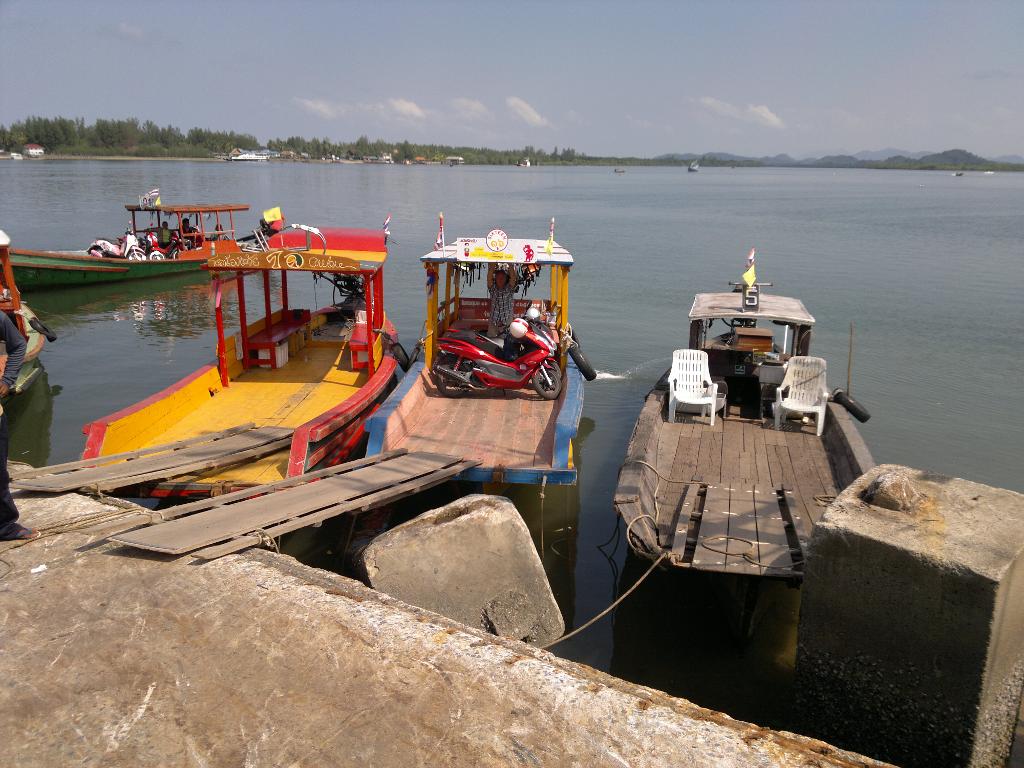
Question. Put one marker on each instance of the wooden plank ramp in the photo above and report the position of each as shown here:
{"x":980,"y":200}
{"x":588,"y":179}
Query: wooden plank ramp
{"x":214,"y":527}
{"x":158,"y":462}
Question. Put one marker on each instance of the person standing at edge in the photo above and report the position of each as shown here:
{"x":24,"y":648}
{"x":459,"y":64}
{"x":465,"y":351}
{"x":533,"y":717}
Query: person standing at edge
{"x":10,"y":336}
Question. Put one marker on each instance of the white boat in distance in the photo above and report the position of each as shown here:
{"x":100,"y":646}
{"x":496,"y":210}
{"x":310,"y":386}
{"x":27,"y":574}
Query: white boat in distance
{"x":694,"y":167}
{"x":251,"y":157}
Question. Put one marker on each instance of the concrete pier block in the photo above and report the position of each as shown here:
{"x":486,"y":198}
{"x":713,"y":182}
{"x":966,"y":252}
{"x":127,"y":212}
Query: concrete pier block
{"x":473,"y":561}
{"x":911,"y":638}
{"x":117,"y":658}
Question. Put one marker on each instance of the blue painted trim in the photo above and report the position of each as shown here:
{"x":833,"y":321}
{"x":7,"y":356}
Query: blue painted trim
{"x":532,"y":476}
{"x":569,"y":417}
{"x":377,"y":425}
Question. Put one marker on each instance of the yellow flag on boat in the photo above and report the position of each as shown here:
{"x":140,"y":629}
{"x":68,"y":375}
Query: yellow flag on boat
{"x":750,"y":276}
{"x":157,"y":203}
{"x":549,"y":246}
{"x":272,"y":214}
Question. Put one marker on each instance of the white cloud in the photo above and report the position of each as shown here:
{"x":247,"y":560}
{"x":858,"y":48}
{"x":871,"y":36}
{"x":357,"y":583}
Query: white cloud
{"x":470,"y":109}
{"x":752,"y":113}
{"x":330,"y":110}
{"x":320,"y":108}
{"x":130,"y":31}
{"x":406,"y":108}
{"x":760,"y":113}
{"x":526,"y":113}
{"x":720,"y":107}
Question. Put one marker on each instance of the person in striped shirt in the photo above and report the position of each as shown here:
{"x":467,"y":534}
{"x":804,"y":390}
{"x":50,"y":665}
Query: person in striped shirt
{"x":501,"y":285}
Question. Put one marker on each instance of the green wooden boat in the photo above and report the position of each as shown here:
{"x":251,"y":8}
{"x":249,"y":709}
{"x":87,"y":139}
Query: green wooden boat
{"x":211,"y":230}
{"x":38,"y":270}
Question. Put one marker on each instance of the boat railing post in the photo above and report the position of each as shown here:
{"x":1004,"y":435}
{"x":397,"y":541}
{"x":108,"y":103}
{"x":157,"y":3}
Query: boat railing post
{"x":222,"y":358}
{"x":430,"y":328}
{"x":267,"y":305}
{"x":240,"y":282}
{"x":563,"y":310}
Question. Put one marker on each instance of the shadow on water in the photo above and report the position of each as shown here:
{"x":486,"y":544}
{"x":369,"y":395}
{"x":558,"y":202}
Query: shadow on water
{"x":30,"y":417}
{"x":673,"y":634}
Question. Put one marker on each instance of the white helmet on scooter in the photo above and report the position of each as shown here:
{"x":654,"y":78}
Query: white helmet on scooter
{"x":533,"y":314}
{"x":518,"y":328}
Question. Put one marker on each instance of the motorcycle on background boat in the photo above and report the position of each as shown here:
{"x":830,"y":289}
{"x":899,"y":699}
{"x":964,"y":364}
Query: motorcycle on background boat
{"x":131,"y":247}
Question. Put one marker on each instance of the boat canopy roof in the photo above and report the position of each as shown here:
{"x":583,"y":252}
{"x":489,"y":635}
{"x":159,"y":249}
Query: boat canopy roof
{"x":347,"y":250}
{"x":183,"y":208}
{"x":707,"y":306}
{"x":482,"y":250}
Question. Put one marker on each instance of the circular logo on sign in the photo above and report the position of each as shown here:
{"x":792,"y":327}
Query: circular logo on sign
{"x":497,"y":240}
{"x":293,"y":260}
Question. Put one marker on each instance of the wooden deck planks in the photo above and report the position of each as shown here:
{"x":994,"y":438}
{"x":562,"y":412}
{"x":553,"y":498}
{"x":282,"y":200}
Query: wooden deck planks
{"x":514,"y":429}
{"x":224,"y":522}
{"x":683,"y":520}
{"x":771,"y":532}
{"x":202,"y":456}
{"x":669,"y":493}
{"x":760,"y":450}
{"x":743,"y":528}
{"x":742,"y":462}
{"x":710,"y":553}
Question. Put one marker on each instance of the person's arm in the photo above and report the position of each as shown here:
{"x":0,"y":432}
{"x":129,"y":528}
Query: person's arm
{"x":490,"y":277}
{"x":15,"y":342}
{"x":513,"y":277}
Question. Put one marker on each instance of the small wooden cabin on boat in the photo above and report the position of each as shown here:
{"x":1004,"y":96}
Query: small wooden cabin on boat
{"x":305,"y":378}
{"x":515,"y":435}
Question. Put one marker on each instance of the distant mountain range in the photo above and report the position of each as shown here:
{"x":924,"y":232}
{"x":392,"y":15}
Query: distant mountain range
{"x":951,"y":159}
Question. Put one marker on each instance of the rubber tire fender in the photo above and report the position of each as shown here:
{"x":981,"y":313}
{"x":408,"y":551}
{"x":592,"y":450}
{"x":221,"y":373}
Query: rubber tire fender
{"x":401,"y":356}
{"x":858,"y":411}
{"x":582,"y":363}
{"x":38,"y":325}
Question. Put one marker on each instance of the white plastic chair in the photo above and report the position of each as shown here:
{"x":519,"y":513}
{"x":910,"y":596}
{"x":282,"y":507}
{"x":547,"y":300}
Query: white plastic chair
{"x":807,"y":391}
{"x":689,"y":383}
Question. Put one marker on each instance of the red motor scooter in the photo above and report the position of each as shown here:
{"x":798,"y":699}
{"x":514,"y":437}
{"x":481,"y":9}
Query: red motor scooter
{"x":468,"y":361}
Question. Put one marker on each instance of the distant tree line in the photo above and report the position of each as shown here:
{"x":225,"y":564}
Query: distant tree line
{"x":67,"y":136}
{"x":130,"y":137}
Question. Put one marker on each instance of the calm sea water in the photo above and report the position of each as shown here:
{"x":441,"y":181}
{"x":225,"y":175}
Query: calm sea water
{"x":928,"y":267}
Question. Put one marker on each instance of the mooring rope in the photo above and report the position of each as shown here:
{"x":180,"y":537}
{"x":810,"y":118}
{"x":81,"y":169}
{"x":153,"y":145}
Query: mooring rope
{"x":266,"y":539}
{"x":610,"y":608}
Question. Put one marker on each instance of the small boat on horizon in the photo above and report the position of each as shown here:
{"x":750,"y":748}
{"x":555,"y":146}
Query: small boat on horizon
{"x":693,"y":167}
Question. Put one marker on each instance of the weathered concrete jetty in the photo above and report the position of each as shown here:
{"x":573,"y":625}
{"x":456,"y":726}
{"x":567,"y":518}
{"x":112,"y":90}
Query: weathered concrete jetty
{"x":113,"y":657}
{"x":911,"y":639}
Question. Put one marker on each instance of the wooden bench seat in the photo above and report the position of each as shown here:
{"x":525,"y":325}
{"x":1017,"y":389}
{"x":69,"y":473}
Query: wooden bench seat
{"x":281,"y":330}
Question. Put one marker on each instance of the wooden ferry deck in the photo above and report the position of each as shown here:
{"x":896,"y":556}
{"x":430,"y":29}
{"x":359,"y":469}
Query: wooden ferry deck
{"x":316,"y":378}
{"x":314,"y":381}
{"x":740,"y":497}
{"x":515,"y":435}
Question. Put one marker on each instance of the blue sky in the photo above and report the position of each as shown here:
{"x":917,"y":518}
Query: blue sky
{"x":622,"y":78}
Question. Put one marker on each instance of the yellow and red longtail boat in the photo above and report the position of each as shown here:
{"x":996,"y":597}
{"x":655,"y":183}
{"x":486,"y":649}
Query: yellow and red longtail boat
{"x":314,"y":375}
